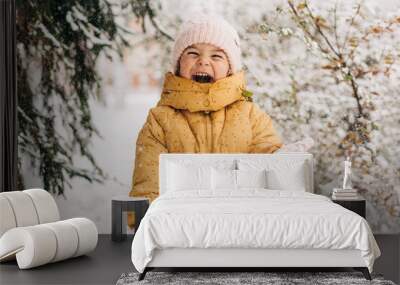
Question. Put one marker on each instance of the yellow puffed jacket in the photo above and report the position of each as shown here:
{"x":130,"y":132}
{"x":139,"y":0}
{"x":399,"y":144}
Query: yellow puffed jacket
{"x":194,"y":117}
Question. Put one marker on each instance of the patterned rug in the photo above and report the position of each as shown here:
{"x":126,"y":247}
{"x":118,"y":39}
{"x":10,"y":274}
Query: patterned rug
{"x":269,"y":278}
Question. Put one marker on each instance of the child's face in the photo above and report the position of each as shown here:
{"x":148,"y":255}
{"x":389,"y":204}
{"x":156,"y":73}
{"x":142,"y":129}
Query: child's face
{"x":203,"y":63}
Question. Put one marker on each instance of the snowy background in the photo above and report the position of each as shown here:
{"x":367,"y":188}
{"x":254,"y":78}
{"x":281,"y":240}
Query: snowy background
{"x":285,"y":75}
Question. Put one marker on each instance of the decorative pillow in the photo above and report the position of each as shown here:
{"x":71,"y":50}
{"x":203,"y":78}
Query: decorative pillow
{"x":223,"y":179}
{"x":300,"y":146}
{"x":251,"y":178}
{"x":181,"y":177}
{"x":292,"y":178}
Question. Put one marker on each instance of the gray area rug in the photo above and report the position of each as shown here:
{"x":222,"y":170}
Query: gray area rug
{"x":275,"y":278}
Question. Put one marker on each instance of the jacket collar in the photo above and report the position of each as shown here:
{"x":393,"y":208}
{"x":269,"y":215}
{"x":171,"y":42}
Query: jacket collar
{"x":186,"y":94}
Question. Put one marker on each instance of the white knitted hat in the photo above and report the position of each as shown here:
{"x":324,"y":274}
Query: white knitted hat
{"x":210,"y":29}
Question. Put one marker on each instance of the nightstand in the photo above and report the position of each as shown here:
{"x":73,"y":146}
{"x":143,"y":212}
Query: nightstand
{"x":120,"y":206}
{"x":356,"y":205}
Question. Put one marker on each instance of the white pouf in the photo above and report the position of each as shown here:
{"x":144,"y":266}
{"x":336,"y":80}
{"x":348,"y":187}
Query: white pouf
{"x":31,"y":233}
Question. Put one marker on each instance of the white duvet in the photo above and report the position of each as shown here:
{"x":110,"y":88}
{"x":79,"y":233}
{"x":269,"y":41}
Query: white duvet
{"x":252,"y":218}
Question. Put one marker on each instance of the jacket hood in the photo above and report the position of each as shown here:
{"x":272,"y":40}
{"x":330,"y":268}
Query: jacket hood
{"x":186,"y":94}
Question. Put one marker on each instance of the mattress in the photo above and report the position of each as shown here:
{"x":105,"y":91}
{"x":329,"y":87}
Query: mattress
{"x":250,"y":219}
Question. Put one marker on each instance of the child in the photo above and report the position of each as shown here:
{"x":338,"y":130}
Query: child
{"x":202,"y":108}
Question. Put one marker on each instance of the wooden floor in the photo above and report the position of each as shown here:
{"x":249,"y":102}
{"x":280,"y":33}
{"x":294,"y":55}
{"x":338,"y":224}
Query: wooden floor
{"x":102,"y":266}
{"x":111,"y":259}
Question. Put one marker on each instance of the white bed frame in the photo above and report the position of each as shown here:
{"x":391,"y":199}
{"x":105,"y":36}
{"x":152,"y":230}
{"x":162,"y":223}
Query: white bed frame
{"x":250,"y":257}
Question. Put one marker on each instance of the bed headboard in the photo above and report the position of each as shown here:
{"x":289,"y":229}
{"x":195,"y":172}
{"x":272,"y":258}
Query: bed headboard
{"x":212,"y":159}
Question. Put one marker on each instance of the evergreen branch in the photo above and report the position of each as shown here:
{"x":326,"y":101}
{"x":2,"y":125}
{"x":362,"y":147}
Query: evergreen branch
{"x":46,"y":34}
{"x":151,"y":15}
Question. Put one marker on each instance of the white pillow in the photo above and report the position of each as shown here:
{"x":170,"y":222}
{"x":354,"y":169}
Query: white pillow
{"x":292,"y":178}
{"x":251,"y":178}
{"x":223,"y":179}
{"x":236,"y":179}
{"x":283,"y":173}
{"x":181,"y":177}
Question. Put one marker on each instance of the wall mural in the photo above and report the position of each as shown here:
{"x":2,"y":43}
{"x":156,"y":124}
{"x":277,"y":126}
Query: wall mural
{"x":325,"y":69}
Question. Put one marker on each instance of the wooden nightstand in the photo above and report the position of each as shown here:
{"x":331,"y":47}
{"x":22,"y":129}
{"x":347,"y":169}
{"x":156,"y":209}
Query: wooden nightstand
{"x":357,"y":205}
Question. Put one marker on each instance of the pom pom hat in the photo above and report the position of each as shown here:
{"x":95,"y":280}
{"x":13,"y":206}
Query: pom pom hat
{"x":209,"y":29}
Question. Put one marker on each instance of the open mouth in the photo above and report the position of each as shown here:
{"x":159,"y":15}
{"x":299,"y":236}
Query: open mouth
{"x":202,"y":77}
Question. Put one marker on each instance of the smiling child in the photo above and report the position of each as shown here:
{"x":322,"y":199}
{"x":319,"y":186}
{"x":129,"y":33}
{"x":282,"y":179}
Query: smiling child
{"x":202,"y":108}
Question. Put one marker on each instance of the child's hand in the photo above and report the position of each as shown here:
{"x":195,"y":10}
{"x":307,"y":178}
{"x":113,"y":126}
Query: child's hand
{"x":300,"y":146}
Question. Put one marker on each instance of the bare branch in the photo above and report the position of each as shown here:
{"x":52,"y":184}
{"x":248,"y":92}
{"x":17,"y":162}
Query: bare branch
{"x":318,"y":28}
{"x":335,"y":27}
{"x":351,"y":24}
{"x":300,"y":22}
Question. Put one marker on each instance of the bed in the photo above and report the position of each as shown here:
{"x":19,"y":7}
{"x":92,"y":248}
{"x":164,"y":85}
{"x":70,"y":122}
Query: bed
{"x":245,"y":211}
